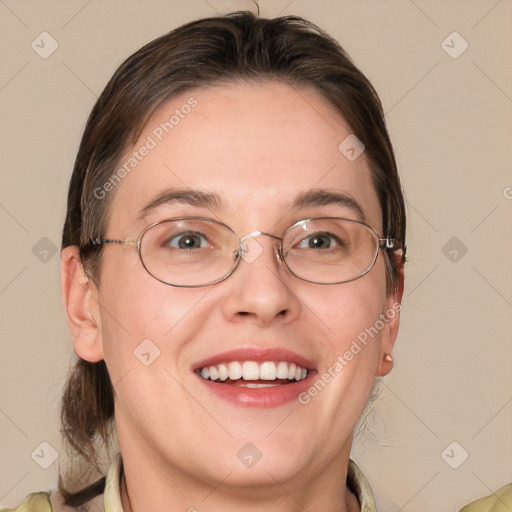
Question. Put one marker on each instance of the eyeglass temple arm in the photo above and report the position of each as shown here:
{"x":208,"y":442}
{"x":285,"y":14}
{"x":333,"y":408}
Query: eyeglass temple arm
{"x":125,"y":243}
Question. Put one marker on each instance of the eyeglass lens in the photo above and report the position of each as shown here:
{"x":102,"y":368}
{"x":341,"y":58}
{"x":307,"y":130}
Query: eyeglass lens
{"x":195,"y":252}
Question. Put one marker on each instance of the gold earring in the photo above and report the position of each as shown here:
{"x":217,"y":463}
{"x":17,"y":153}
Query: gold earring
{"x":388,"y":358}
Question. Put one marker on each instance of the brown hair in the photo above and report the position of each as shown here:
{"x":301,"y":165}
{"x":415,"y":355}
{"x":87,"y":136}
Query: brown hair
{"x":237,"y":47}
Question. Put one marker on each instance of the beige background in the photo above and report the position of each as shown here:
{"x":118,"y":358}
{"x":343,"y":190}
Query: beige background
{"x":450,"y":122}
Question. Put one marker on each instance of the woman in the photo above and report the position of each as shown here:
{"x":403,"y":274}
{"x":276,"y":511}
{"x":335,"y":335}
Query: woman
{"x":232,"y":272}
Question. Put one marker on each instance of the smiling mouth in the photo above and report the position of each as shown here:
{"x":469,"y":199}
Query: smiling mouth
{"x":251,"y":374}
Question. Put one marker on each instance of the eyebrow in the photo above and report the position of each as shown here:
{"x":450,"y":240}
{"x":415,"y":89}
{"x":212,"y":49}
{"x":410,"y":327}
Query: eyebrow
{"x":199,"y":198}
{"x":321,"y":197}
{"x":184,"y":196}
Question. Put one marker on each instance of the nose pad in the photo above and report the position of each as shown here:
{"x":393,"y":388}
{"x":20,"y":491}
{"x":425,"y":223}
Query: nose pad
{"x":250,"y":249}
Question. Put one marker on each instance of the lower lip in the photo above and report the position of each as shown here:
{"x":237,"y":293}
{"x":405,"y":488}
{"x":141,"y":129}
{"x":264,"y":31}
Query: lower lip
{"x":259,"y":397}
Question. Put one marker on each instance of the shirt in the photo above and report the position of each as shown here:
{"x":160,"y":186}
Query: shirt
{"x":500,"y":501}
{"x":110,"y":500}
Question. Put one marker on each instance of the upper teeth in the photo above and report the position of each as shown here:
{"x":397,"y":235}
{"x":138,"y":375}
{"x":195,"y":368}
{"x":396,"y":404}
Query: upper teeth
{"x":250,"y":370}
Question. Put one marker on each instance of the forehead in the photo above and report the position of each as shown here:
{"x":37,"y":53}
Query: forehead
{"x":256,"y":145}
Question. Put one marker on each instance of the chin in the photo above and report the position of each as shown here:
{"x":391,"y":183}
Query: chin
{"x":263,"y":457}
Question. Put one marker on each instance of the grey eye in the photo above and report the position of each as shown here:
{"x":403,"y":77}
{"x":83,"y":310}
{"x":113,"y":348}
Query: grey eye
{"x":188,"y":240}
{"x":320,"y":241}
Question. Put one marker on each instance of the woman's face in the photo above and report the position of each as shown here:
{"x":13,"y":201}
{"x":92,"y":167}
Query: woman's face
{"x":256,"y":147}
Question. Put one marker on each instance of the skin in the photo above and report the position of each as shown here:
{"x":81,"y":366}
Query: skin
{"x":258,"y":146}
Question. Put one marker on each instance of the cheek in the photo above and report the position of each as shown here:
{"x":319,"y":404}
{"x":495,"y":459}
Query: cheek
{"x":351,"y":309}
{"x":350,"y":314}
{"x":141,"y":316}
{"x":144,"y":335}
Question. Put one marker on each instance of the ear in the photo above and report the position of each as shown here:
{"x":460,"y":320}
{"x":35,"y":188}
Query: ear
{"x":392,"y":320}
{"x":81,"y":302}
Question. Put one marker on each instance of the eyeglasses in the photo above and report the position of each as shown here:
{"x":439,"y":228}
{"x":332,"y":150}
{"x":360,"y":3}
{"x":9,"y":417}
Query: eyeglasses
{"x":199,"y":251}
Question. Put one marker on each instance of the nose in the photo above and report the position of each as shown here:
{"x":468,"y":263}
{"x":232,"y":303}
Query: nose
{"x":260,"y":290}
